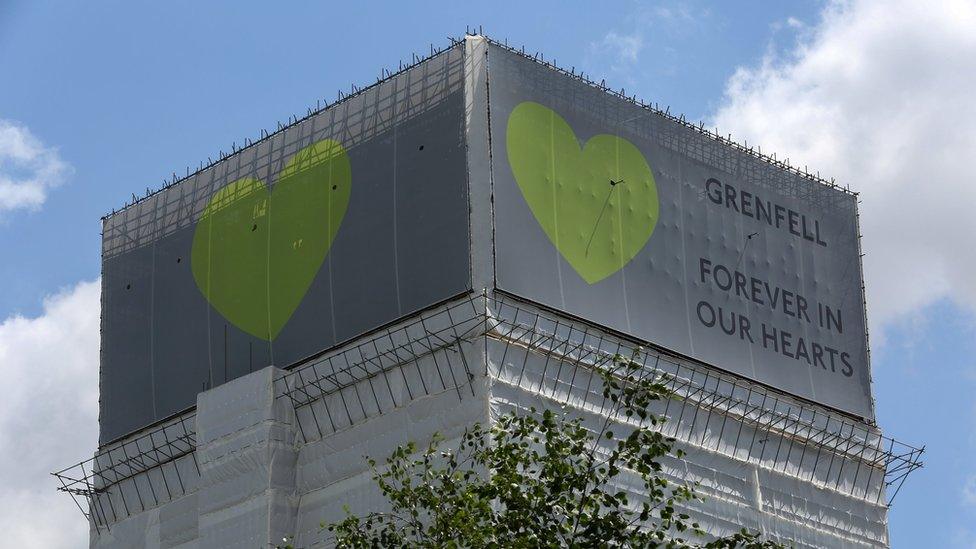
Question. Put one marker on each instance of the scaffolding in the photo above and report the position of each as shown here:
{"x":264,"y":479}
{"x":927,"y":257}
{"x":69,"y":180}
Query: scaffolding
{"x":353,"y":119}
{"x":714,"y":410}
{"x":136,"y":474}
{"x":424,"y":355}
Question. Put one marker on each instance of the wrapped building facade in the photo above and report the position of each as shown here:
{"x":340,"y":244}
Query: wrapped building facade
{"x":472,"y":235}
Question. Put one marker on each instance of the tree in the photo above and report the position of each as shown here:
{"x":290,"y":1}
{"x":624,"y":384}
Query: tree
{"x":540,"y":480}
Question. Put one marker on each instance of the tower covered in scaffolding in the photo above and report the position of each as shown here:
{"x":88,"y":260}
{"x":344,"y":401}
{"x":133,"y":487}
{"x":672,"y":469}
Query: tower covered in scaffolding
{"x":478,"y":232}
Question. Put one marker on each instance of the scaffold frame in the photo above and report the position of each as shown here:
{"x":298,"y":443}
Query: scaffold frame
{"x":354,"y":377}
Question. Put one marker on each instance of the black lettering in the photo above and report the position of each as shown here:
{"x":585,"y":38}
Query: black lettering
{"x":794,"y":222}
{"x":703,"y":267}
{"x":705,"y":306}
{"x":763,"y":211}
{"x":801,"y":350}
{"x":744,"y":327}
{"x":773,"y":297}
{"x":769,"y":337}
{"x":767,"y":211}
{"x":816,"y":230}
{"x":717,"y":274}
{"x":780,"y":214}
{"x":785,"y":342}
{"x":848,"y":369}
{"x":788,"y":303}
{"x":803,"y":225}
{"x":721,"y":322}
{"x":818,"y":355}
{"x":730,"y":198}
{"x":833,"y":353}
{"x":745,"y":202}
{"x":713,"y":189}
{"x":757,"y":291}
{"x":833,"y":317}
{"x":801,"y":308}
{"x":740,"y":284}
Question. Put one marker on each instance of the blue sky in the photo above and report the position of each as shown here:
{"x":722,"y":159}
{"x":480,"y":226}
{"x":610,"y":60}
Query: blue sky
{"x":115,"y":97}
{"x":131,"y":94}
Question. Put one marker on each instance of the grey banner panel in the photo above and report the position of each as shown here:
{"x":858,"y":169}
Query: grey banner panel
{"x":622,"y":216}
{"x":127,"y":336}
{"x":337,"y":225}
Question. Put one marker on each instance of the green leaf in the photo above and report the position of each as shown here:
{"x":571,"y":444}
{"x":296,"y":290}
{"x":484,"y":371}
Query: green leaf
{"x":536,"y":481}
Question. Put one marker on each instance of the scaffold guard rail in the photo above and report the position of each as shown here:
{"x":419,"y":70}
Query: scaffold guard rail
{"x":352,"y":383}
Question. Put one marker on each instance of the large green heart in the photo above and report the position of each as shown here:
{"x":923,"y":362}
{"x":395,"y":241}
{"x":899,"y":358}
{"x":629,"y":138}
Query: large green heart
{"x":256,"y":251}
{"x":598,"y":205}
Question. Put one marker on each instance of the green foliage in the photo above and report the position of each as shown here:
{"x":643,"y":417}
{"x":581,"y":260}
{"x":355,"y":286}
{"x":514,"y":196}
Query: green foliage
{"x":540,"y":480}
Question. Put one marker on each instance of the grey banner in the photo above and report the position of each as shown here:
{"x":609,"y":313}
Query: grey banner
{"x":625,"y":217}
{"x":370,"y":217}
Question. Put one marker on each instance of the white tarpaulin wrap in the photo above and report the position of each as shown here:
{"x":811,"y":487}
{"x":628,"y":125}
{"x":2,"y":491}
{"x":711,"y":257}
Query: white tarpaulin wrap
{"x":267,"y":472}
{"x":737,"y":494}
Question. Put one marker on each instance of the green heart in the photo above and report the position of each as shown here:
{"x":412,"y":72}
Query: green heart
{"x":597,"y":205}
{"x":256,"y":251}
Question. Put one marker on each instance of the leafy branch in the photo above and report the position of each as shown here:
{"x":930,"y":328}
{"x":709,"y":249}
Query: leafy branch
{"x":542,"y":479}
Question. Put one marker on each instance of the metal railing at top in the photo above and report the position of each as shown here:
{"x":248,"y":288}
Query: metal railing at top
{"x":712,"y":409}
{"x":423,"y":355}
{"x":136,"y":474}
{"x":418,"y":357}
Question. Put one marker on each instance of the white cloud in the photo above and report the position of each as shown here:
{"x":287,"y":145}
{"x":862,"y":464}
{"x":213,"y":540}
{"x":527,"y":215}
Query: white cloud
{"x":963,"y":538}
{"x":648,"y":27}
{"x":969,"y":491}
{"x":673,"y":13}
{"x":48,"y":416}
{"x":623,"y":49}
{"x":880,"y":95}
{"x":28,"y":168}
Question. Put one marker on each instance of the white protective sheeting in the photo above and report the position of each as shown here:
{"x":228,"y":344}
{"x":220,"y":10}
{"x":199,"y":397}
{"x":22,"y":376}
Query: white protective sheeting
{"x":333,"y":473}
{"x":737,"y":493}
{"x":260,"y":480}
{"x":247,"y":452}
